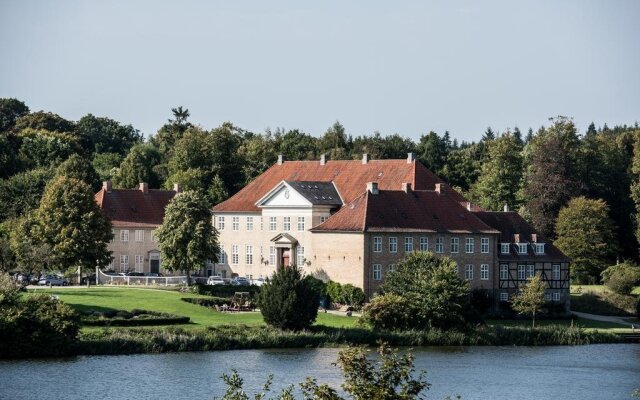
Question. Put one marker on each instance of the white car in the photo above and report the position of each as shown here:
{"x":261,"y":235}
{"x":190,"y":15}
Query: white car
{"x":258,"y":281}
{"x":52,"y":280}
{"x":215,"y":280}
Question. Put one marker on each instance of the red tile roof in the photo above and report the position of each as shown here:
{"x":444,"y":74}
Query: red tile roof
{"x":349,"y":176}
{"x":396,"y":210}
{"x":133,"y":208}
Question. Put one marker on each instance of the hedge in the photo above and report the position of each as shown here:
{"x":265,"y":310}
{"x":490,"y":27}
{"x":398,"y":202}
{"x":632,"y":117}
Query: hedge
{"x":226,"y":290}
{"x":134,"y":318}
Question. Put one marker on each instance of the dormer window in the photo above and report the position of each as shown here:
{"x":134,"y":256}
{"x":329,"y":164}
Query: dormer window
{"x":504,"y":248}
{"x":538,"y":248}
{"x":522,"y":248}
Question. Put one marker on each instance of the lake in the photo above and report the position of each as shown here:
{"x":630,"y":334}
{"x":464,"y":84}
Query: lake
{"x":609,"y":371}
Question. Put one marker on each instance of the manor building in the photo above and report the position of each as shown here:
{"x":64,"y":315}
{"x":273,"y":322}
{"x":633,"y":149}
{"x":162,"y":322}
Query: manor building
{"x":351,"y":221}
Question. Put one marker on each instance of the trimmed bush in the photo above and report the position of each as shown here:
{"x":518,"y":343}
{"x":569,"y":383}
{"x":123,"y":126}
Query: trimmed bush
{"x":225,"y":290}
{"x":134,"y":318}
{"x":345,"y":294}
{"x":389,"y":312}
{"x":210,"y":302}
{"x":287,"y":301}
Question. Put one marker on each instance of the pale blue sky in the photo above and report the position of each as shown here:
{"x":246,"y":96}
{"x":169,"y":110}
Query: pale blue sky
{"x":395,"y":66}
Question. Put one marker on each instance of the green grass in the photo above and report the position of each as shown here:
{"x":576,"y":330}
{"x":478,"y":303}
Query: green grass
{"x":101,"y":298}
{"x":588,"y":324}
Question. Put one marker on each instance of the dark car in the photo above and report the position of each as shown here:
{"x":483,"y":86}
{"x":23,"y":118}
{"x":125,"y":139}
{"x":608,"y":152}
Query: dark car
{"x":135,"y":274}
{"x":240,"y":281}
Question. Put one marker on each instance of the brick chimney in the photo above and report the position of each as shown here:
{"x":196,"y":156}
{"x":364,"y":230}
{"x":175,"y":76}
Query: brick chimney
{"x":106,"y":185}
{"x":177,"y":188}
{"x":280,"y":159}
{"x":144,"y":187}
{"x":440,"y":187}
{"x":365,"y":158}
{"x":534,"y":238}
{"x":323,"y":159}
{"x":410,"y":158}
{"x":516,"y":238}
{"x":406,"y":187}
{"x":372,"y":187}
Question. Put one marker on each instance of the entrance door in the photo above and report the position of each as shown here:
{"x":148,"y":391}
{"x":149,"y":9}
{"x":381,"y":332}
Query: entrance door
{"x":285,"y":258}
{"x":154,"y":266}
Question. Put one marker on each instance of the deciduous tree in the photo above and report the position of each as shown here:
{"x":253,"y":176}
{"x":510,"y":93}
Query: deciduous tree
{"x":530,"y":298}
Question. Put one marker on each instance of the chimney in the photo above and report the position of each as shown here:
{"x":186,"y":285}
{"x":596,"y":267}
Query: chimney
{"x":534,"y":238}
{"x":440,"y":187}
{"x":144,"y":187}
{"x":280,"y":159}
{"x":323,"y":159}
{"x":410,"y":158}
{"x":106,"y":185}
{"x":372,"y":187}
{"x":406,"y":187}
{"x":506,"y":207}
{"x":365,"y":158}
{"x":177,"y":188}
{"x":516,"y":238}
{"x":468,"y":206}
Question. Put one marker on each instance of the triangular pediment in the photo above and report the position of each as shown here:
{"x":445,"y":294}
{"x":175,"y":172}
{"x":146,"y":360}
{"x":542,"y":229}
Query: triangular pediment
{"x":283,"y":195}
{"x":284,"y":239}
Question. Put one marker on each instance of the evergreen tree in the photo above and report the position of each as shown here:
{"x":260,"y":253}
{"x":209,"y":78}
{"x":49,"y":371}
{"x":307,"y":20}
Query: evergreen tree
{"x":432,"y":151}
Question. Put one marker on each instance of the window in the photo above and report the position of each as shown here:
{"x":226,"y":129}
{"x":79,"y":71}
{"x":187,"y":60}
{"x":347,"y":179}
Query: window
{"x":139,"y":235}
{"x":484,"y":245}
{"x":468,"y":246}
{"x":377,"y":272}
{"x":556,"y":296}
{"x":484,"y":272}
{"x":300,"y":254}
{"x":220,"y":223}
{"x":248,"y":256}
{"x":531,"y":271}
{"x":234,"y":254}
{"x":392,"y":267}
{"x":323,"y":219}
{"x":439,"y":245}
{"x":556,"y":271}
{"x":424,"y":243}
{"x":408,"y":244}
{"x":504,"y":296}
{"x":522,"y":248}
{"x":521,"y":272}
{"x":272,"y":255}
{"x":273,"y":223}
{"x":249,"y":223}
{"x":124,"y":263}
{"x":547,"y":296}
{"x":539,"y":248}
{"x":377,"y":244}
{"x":153,"y":236}
{"x":286,"y":224}
{"x":222,"y":256}
{"x":393,"y":245}
{"x":504,"y":272}
{"x":455,"y":244}
{"x":468,"y":272}
{"x":235,"y":223}
{"x":124,"y":235}
{"x":300,"y":224}
{"x":139,"y":263}
{"x":504,"y":248}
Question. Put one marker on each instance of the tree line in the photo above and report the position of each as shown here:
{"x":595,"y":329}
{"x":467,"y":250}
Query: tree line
{"x":538,"y":174}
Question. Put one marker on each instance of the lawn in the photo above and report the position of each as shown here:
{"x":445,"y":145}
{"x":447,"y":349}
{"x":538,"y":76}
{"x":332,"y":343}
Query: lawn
{"x":102,"y":298}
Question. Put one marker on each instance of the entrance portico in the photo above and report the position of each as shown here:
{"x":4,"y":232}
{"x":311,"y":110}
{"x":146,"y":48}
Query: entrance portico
{"x":285,"y":245}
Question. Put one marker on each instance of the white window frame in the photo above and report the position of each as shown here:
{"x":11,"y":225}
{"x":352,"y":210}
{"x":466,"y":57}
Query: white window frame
{"x":484,"y":272}
{"x":393,"y":244}
{"x":377,"y":244}
{"x":484,"y":245}
{"x":555,"y":272}
{"x":300,"y":224}
{"x":220,"y":223}
{"x":424,"y":243}
{"x":273,"y":223}
{"x":377,"y":272}
{"x":235,"y":223}
{"x":286,"y":224}
{"x":249,"y":223}
{"x":547,"y":296}
{"x":455,"y":245}
{"x":505,"y":248}
{"x":469,"y":246}
{"x":556,"y":296}
{"x":522,"y":248}
{"x":538,"y":248}
{"x":323,"y":219}
{"x":300,"y":255}
{"x":139,"y":235}
{"x":522,"y":272}
{"x":531,"y":271}
{"x":391,"y":267}
{"x":139,"y":263}
{"x":124,"y":235}
{"x":468,"y":272}
{"x":235,"y":254}
{"x":222,"y":256}
{"x":408,"y":244}
{"x":272,"y":255}
{"x":124,"y":263}
{"x":248,"y":254}
{"x":439,"y":245}
{"x":504,"y":296}
{"x":504,"y":272}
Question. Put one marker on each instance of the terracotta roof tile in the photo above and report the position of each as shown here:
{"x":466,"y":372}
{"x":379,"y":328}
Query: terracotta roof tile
{"x":133,"y":208}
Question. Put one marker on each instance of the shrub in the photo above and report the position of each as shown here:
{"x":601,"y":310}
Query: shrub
{"x":621,"y":278}
{"x":389,"y":312}
{"x":334,"y":292}
{"x":604,"y":303}
{"x":287,"y":301}
{"x":225,"y":290}
{"x":136,"y":317}
{"x":210,"y":302}
{"x":353,"y":295}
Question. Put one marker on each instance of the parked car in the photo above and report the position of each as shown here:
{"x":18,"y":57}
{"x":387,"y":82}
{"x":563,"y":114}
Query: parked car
{"x":258,"y":281}
{"x":52,"y":280}
{"x":135,"y":274}
{"x":215,"y":280}
{"x":153,"y":274}
{"x":240,"y":281}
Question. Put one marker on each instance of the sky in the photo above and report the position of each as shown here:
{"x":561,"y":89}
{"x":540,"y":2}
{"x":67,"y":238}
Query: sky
{"x":404,"y":67}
